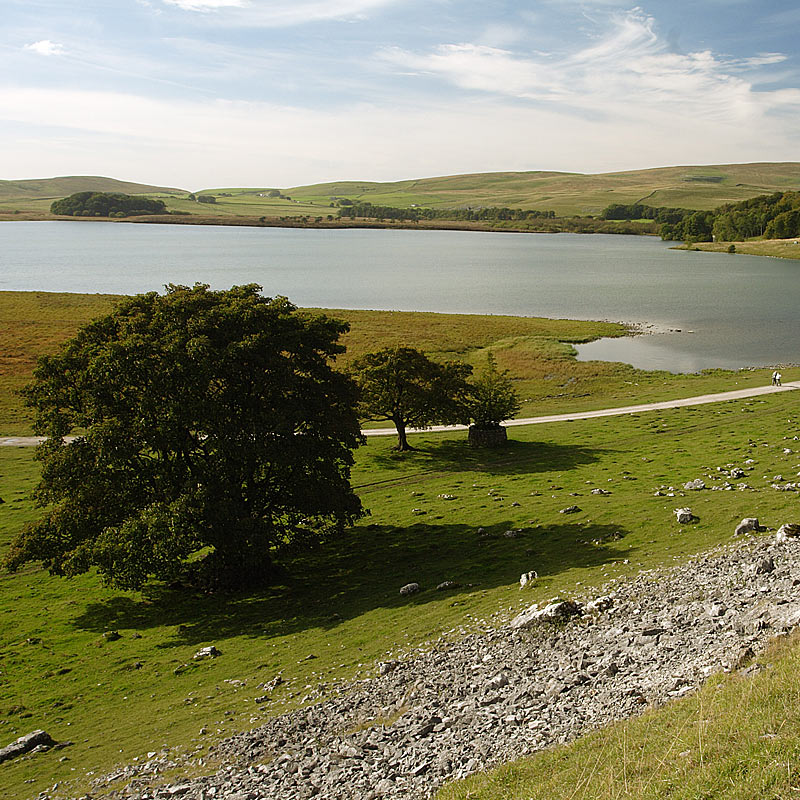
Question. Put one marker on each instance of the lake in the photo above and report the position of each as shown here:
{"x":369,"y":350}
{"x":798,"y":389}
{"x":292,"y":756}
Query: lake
{"x":732,"y":311}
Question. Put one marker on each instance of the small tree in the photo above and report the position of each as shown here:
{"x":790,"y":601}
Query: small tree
{"x":403,"y":386}
{"x":493,"y":400}
{"x":209,"y":424}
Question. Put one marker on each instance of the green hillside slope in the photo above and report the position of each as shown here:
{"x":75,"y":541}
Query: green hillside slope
{"x":52,"y":188}
{"x":700,"y":187}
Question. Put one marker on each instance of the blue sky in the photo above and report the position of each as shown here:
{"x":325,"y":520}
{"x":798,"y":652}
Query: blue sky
{"x":202,"y":93}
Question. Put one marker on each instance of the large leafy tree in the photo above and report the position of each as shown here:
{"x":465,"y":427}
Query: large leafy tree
{"x":405,"y":387}
{"x":210,"y":426}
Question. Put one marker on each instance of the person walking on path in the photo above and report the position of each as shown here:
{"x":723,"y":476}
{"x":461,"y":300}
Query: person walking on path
{"x":778,"y":377}
{"x":775,"y":378}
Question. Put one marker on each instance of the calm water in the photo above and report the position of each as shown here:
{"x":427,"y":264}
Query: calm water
{"x":741,"y":310}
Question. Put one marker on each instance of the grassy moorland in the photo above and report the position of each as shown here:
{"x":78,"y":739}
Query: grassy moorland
{"x":537,"y":352}
{"x":700,"y":187}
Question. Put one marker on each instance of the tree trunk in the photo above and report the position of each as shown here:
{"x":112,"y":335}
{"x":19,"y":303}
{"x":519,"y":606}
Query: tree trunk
{"x":402,"y":441}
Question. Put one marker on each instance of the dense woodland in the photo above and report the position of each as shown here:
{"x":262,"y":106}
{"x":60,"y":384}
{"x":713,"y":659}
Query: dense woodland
{"x":106,"y":204}
{"x":774,"y":216}
{"x":369,"y":211}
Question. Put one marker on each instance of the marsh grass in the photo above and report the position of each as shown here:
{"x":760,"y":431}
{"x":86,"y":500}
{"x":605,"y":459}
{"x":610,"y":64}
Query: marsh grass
{"x":537,"y":352}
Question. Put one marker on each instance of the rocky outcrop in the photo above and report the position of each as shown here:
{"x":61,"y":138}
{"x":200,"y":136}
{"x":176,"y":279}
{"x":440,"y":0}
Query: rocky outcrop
{"x":460,"y":706}
{"x":35,"y":741}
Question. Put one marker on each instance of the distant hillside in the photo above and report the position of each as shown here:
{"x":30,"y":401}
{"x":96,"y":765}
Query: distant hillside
{"x":52,"y":188}
{"x":701,"y":188}
{"x":697,"y":187}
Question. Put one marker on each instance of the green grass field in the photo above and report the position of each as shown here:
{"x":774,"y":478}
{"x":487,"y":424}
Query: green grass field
{"x":775,"y":248}
{"x":118,"y":700}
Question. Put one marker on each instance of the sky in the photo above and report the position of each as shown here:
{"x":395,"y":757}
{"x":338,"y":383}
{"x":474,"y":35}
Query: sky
{"x":279,"y":93}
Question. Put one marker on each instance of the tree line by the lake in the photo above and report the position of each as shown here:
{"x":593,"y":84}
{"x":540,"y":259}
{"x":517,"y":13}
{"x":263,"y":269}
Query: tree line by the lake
{"x":492,"y":213}
{"x":773,"y":216}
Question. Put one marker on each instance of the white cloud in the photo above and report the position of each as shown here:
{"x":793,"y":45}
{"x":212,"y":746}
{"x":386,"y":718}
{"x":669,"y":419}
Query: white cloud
{"x":46,"y":48}
{"x":627,"y":74}
{"x":764,"y":59}
{"x":280,"y":13}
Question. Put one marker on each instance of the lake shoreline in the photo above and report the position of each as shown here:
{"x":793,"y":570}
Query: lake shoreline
{"x":550,"y":227}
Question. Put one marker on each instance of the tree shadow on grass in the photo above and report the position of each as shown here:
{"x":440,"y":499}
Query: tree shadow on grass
{"x":363,"y":572}
{"x":515,"y":457}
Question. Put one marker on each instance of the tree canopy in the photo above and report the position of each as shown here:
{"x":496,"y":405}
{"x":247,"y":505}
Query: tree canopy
{"x":405,"y":387}
{"x":776,"y":216}
{"x":493,"y":398}
{"x":211,"y":426}
{"x":106,"y":204}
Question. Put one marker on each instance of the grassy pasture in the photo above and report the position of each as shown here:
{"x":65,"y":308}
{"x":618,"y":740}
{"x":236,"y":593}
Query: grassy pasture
{"x":574,"y":193}
{"x":776,"y":248}
{"x":118,"y":700}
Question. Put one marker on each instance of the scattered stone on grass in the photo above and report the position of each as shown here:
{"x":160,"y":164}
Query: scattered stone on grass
{"x":207,"y":652}
{"x":444,"y":712}
{"x":409,"y":588}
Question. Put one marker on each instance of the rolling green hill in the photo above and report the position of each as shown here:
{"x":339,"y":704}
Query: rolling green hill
{"x":700,"y":187}
{"x":704,"y":187}
{"x":53,"y":188}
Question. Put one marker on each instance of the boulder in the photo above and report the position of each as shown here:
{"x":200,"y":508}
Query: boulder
{"x":556,"y":611}
{"x":695,"y":485}
{"x":207,"y":652}
{"x":570,"y":510}
{"x":683,"y":515}
{"x":600,"y":604}
{"x":787,"y":531}
{"x":409,"y":588}
{"x":746,"y":525}
{"x":26,"y":744}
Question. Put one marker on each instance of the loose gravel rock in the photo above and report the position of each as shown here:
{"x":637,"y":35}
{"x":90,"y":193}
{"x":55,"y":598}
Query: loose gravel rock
{"x":462,"y":706}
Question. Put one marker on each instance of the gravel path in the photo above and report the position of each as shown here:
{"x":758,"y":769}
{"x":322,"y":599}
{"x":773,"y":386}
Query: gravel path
{"x":736,"y":394}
